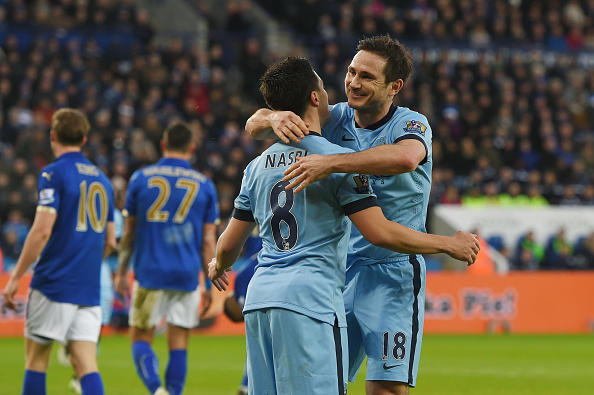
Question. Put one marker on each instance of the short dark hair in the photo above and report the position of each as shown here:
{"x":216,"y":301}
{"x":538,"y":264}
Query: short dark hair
{"x":286,"y":85}
{"x":71,"y":126}
{"x":178,"y":137}
{"x":398,"y":58}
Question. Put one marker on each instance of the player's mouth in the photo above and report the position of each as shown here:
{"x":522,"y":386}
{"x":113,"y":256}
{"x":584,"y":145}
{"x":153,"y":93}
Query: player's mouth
{"x":356,"y":95}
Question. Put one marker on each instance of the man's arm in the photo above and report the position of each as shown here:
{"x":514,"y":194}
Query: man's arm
{"x":384,"y":233}
{"x":268,"y":124}
{"x":126,"y":248}
{"x":229,"y":248}
{"x":399,"y":158}
{"x":209,"y":239}
{"x":37,"y":238}
{"x":110,"y":239}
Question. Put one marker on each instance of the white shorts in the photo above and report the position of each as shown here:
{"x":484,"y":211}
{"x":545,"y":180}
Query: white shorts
{"x":47,"y":321}
{"x":149,"y":306}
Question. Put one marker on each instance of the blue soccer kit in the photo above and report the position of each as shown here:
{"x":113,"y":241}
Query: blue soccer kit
{"x":390,"y":336}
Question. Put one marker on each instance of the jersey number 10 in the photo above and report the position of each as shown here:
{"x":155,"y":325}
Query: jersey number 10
{"x":92,"y":204}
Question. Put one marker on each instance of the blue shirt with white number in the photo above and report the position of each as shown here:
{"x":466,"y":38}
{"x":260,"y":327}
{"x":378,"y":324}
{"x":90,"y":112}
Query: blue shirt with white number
{"x":403,"y":197}
{"x":171,"y":202}
{"x":302,"y":264}
{"x":69,"y":267}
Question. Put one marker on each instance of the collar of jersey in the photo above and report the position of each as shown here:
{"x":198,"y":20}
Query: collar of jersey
{"x":312,"y":133}
{"x":382,"y":121}
{"x":73,"y":154}
{"x":174,"y":161}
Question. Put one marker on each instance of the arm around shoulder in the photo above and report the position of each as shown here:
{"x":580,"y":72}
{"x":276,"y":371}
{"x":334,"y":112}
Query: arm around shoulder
{"x":284,"y":125}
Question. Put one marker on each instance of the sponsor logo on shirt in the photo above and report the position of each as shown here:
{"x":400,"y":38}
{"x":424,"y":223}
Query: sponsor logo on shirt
{"x":362,"y":182}
{"x":46,"y":196}
{"x":47,"y":175}
{"x":415,"y":127}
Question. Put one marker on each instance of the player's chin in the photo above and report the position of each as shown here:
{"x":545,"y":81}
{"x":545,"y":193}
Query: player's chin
{"x":355,"y":101}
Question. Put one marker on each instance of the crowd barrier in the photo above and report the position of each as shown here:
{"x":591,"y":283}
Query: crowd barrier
{"x":456,"y":303}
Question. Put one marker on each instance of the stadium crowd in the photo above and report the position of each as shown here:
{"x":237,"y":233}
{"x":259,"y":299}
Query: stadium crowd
{"x":510,"y":127}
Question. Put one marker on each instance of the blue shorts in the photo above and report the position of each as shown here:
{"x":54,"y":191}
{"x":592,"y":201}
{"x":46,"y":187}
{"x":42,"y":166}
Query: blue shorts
{"x":385,"y":309}
{"x":290,"y":353}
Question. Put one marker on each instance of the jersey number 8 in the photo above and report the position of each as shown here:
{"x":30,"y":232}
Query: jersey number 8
{"x":281,"y":213}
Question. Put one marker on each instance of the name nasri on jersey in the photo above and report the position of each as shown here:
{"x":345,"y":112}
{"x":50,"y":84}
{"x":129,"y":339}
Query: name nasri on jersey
{"x":283,"y":159}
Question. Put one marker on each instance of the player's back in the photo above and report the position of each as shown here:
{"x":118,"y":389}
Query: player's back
{"x":82,"y":196}
{"x":302,"y":262}
{"x":404,"y":197}
{"x":171,"y":203}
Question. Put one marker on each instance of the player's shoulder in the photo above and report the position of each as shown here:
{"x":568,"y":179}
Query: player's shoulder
{"x":317,"y":144}
{"x":405,"y":114}
{"x":340,"y":110}
{"x":407,"y":121}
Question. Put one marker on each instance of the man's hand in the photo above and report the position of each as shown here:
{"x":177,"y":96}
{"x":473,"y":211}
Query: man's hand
{"x":205,"y":301}
{"x":218,"y":277}
{"x":288,"y":126}
{"x":9,"y":291}
{"x":121,"y":284}
{"x":464,"y":247}
{"x":307,"y":170}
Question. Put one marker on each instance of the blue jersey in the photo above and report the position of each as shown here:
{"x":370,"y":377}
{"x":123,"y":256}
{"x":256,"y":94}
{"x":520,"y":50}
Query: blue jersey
{"x":69,"y":267}
{"x":403,"y":197}
{"x":171,"y":202}
{"x":301,"y":266}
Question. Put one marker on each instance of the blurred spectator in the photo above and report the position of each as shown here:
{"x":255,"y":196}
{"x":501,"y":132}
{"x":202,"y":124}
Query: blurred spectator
{"x":584,"y":253}
{"x":529,"y":254}
{"x":558,"y":252}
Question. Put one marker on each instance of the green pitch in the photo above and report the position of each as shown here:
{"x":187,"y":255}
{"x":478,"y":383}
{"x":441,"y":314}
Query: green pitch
{"x":481,"y":365}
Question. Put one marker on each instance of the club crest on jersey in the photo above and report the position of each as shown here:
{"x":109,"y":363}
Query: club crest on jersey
{"x":362,"y":182}
{"x":415,"y":127}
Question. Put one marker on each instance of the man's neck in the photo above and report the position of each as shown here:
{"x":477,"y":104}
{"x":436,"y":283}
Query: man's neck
{"x":366,"y":118}
{"x":60,"y":150}
{"x":177,"y":155}
{"x":313,"y":120}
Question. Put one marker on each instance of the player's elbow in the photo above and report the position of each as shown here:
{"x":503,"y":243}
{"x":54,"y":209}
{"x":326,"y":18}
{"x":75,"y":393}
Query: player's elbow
{"x":408,"y":164}
{"x":376,"y":237}
{"x":44,"y":234}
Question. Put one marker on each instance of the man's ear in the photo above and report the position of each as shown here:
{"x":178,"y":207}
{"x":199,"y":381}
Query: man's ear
{"x":314,"y":98}
{"x":53,"y":136}
{"x":396,"y":86}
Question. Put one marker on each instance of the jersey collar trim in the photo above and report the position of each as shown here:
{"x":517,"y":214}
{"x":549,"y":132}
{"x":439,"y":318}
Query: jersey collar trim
{"x":382,"y":121}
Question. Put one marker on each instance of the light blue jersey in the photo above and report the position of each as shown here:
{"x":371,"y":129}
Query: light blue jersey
{"x":108,"y":267}
{"x":80,"y":194}
{"x":301,"y":266}
{"x":171,"y":202}
{"x":403,"y":197}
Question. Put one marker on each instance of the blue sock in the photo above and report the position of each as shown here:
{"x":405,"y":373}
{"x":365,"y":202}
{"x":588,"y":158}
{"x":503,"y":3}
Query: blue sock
{"x":175,"y":375}
{"x":91,"y":384}
{"x":34,"y":383}
{"x":147,"y":365}
{"x":244,"y":380}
